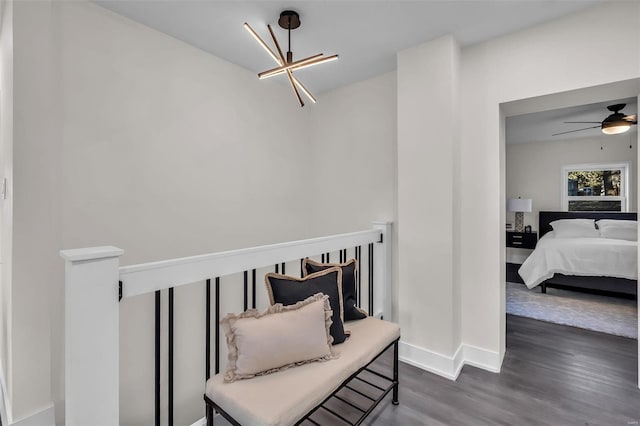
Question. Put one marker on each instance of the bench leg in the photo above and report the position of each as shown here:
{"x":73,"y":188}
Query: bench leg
{"x":209,"y":415}
{"x":543,"y":288}
{"x":395,"y":401}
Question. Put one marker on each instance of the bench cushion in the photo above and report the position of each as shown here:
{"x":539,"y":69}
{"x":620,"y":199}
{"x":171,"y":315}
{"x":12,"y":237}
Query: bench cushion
{"x":285,"y":397}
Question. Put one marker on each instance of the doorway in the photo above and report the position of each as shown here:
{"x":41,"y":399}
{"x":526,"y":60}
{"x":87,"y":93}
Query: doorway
{"x":626,"y":90}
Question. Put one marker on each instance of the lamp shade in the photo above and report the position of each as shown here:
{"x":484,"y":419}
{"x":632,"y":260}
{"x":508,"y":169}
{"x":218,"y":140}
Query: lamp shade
{"x":520,"y":205}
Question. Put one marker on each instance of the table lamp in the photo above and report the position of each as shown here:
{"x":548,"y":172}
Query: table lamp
{"x":519,"y":206}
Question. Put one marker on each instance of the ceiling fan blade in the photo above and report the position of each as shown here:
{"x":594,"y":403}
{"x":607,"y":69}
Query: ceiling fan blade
{"x":583,"y":122}
{"x":633,"y":118}
{"x":263,"y":44}
{"x":295,"y":89}
{"x":572,"y":131}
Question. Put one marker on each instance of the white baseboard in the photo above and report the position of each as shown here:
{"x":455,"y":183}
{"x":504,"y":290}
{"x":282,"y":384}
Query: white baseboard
{"x":4,"y":400}
{"x":200,"y":422}
{"x":449,"y":366}
{"x":44,"y":417}
{"x":482,"y":358}
{"x":431,"y":361}
{"x":218,"y":420}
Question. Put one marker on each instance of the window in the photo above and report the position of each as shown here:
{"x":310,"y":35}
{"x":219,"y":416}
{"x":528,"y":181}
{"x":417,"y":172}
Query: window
{"x":596,"y":187}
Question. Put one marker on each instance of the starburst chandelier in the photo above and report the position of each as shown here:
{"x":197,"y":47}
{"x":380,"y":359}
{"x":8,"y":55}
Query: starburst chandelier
{"x":289,"y":20}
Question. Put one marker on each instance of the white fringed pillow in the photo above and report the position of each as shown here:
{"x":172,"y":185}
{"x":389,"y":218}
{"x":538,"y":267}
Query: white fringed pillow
{"x":618,"y":229}
{"x":278,"y":338}
{"x":575,"y":228}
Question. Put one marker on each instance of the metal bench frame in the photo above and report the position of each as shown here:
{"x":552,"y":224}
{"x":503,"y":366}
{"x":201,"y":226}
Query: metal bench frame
{"x":393,"y":383}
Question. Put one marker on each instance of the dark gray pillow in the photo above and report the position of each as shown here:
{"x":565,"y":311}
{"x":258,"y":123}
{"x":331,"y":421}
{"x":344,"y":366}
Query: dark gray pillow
{"x":351,"y":311}
{"x":291,"y":290}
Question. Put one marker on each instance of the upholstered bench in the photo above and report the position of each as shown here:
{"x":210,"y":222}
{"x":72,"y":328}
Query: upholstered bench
{"x":288,"y":397}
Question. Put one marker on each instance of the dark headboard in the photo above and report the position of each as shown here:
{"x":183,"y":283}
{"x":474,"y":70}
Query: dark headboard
{"x":547,"y":217}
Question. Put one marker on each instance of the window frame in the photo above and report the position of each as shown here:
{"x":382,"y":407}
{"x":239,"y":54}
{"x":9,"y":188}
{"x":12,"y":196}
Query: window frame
{"x":625,"y":170}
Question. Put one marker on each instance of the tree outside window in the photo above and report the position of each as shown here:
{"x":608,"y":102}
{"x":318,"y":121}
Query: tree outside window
{"x":595,"y":187}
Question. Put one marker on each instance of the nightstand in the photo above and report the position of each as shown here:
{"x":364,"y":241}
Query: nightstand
{"x":519,"y":240}
{"x":525,"y":240}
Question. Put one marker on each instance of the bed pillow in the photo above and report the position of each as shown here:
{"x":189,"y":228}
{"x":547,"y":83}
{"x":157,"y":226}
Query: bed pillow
{"x":349,"y":268}
{"x":278,"y":338}
{"x":618,"y":229}
{"x":575,"y":228}
{"x":289,"y":290}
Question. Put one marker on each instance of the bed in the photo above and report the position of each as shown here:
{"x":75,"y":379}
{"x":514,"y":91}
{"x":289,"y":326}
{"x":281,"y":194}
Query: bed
{"x":590,"y":264}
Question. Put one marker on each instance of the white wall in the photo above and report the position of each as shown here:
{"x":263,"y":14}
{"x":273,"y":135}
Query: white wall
{"x":170,"y":152}
{"x":533,"y":170}
{"x":6,"y":166}
{"x":353,"y":164}
{"x":154,"y":146}
{"x":35,"y":206}
{"x":545,"y":59}
{"x":428,"y":311}
{"x":166,"y":151}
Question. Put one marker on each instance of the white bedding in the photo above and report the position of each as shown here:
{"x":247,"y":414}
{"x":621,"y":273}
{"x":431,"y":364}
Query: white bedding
{"x":580,"y":256}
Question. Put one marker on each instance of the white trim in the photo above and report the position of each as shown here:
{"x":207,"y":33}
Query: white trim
{"x":200,"y":422}
{"x":4,"y":400}
{"x":44,"y":417}
{"x":91,"y":344}
{"x":482,"y":358}
{"x":625,"y":166}
{"x":449,"y":366}
{"x":430,"y":361}
{"x":458,"y":361}
{"x":149,"y":277}
{"x":90,"y":253}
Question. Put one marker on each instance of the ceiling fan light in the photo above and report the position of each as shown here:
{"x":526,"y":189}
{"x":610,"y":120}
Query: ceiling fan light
{"x":615,"y":128}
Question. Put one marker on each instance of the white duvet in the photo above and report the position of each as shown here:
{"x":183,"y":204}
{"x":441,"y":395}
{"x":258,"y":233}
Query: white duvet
{"x":580,"y":256}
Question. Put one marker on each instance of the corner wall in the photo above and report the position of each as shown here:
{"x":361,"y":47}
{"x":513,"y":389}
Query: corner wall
{"x":129,"y":137}
{"x":451,"y":198}
{"x":169,"y":152}
{"x":352,"y":166}
{"x":550,"y":58}
{"x":35,"y":197}
{"x":427,"y":155}
{"x":6,"y":208}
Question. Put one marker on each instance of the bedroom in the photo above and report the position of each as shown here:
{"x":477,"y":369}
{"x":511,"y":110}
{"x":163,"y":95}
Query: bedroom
{"x":541,"y":150}
{"x":116,"y":79}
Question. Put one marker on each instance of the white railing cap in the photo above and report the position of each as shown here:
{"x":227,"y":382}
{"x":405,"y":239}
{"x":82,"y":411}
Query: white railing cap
{"x":90,"y":253}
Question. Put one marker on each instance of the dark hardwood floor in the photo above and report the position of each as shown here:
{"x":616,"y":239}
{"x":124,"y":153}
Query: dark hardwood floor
{"x":551,"y":375}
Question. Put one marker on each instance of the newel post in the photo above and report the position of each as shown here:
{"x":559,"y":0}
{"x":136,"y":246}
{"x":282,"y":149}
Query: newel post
{"x":382,"y":302}
{"x":91,"y":336}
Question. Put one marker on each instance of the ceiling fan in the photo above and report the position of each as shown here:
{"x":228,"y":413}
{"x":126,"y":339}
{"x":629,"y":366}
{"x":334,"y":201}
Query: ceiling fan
{"x":614,"y":124}
{"x":289,"y":20}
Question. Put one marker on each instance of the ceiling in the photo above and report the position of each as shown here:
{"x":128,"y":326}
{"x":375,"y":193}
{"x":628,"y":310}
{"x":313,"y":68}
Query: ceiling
{"x":366,"y":34}
{"x":540,"y":126}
